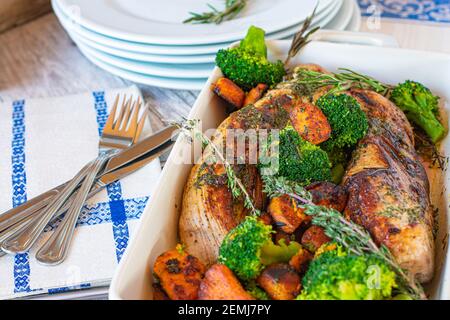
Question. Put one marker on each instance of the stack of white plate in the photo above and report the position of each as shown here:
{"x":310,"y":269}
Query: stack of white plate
{"x":147,"y":42}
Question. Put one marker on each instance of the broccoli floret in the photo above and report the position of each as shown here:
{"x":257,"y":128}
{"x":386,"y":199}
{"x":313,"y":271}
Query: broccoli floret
{"x":420,"y":106}
{"x":335,"y":275}
{"x":252,"y":288}
{"x":248,"y":248}
{"x":247,"y":64}
{"x":348,"y":122}
{"x":339,"y":159}
{"x":300,"y":160}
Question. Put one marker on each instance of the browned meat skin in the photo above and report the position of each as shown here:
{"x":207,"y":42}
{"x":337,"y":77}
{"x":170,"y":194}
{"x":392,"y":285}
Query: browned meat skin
{"x":209,"y":211}
{"x":389,"y":189}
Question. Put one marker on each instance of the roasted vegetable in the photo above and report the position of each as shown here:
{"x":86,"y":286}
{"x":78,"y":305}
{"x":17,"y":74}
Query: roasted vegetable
{"x":255,"y":94}
{"x":247,"y":64}
{"x":256,"y":291}
{"x":328,"y":195}
{"x":310,"y":122}
{"x":340,"y":276}
{"x":301,"y":260}
{"x":230,"y":92}
{"x":158,"y":292}
{"x":300,"y":160}
{"x":179,"y":274}
{"x":221,"y":284}
{"x":348,"y":122}
{"x":248,"y":248}
{"x":280,"y":281}
{"x":420,"y":107}
{"x":314,"y":237}
{"x":287,"y":213}
{"x":339,"y":159}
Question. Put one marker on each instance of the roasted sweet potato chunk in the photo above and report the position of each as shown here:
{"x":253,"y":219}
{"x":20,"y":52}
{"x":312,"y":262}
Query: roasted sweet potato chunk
{"x":310,"y":123}
{"x":281,"y":235}
{"x":280,"y":281}
{"x":314,"y":237}
{"x":286,"y":213}
{"x":266,"y":218}
{"x":255,"y":94}
{"x":230,"y":92}
{"x":158,"y":292}
{"x":221,"y":284}
{"x":179,"y":274}
{"x":301,"y":260}
{"x":328,"y":195}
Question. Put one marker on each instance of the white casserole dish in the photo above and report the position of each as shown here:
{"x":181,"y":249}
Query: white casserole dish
{"x":158,"y":227}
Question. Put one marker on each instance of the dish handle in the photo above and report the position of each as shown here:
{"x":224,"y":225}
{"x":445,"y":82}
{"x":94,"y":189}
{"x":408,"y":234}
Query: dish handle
{"x":359,"y":38}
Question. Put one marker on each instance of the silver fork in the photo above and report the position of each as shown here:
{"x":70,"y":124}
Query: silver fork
{"x":118,"y":134}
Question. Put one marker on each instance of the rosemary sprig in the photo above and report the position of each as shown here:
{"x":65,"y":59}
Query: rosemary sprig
{"x":339,"y":82}
{"x":232,"y":8}
{"x":347,"y":233}
{"x":301,"y":38}
{"x":189,"y":128}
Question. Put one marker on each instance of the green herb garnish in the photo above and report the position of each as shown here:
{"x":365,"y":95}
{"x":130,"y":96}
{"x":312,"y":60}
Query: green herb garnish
{"x":232,"y":9}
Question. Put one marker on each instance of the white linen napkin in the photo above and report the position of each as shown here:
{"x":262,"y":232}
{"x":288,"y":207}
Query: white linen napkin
{"x":43,"y":143}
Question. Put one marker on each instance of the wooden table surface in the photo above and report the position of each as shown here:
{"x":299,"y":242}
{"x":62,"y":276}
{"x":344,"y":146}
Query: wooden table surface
{"x":38,"y":59}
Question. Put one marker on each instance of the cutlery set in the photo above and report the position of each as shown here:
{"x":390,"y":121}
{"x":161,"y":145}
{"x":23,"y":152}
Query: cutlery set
{"x":120,"y":154}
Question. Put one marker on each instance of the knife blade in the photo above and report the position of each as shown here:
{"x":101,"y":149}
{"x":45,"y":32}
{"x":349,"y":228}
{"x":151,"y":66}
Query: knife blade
{"x":102,"y":182}
{"x":113,"y":170}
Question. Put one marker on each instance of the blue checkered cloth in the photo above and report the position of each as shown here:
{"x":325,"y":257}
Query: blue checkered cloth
{"x":418,"y":10}
{"x":44,"y":142}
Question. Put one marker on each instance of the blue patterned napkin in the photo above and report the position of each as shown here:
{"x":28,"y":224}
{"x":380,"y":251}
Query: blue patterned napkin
{"x":419,"y":10}
{"x":44,"y":142}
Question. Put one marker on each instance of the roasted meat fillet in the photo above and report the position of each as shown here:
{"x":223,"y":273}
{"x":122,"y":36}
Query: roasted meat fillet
{"x":209,"y":211}
{"x":388,"y":187}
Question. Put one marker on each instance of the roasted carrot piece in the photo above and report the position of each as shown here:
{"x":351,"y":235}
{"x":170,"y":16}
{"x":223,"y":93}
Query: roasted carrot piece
{"x":301,"y":260}
{"x":314,"y":238}
{"x":158,"y":292}
{"x":329,"y":195}
{"x":310,"y":123}
{"x":255,"y":94}
{"x":266,"y":218}
{"x":230,"y":92}
{"x":280,"y":281}
{"x":287,"y":214}
{"x":179,"y":274}
{"x":221,"y":284}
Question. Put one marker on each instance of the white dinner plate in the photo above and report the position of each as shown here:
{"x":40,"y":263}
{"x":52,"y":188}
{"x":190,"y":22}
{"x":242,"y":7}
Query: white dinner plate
{"x":355,"y":22}
{"x":114,"y":44}
{"x":161,"y":22}
{"x":328,"y":14}
{"x":343,"y":18}
{"x":168,"y":83}
{"x":167,"y":70}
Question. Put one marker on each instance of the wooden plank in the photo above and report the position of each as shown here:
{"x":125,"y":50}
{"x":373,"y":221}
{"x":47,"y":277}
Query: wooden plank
{"x":17,"y":12}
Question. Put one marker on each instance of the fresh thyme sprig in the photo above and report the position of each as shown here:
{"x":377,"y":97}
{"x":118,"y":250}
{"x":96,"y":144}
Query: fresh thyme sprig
{"x":232,"y":9}
{"x":347,"y":233}
{"x":339,"y":82}
{"x":189,"y":128}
